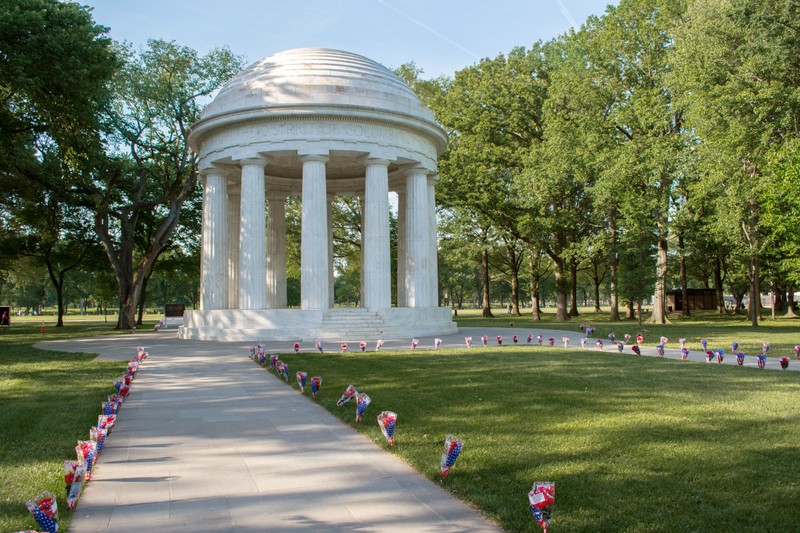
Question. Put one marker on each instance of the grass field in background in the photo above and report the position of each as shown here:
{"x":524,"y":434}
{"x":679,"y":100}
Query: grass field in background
{"x":49,"y":401}
{"x":633,"y":444}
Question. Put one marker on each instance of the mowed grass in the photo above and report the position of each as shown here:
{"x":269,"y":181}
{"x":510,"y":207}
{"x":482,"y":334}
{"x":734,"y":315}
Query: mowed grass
{"x":48,"y":401}
{"x":720,"y":330}
{"x":633,"y":444}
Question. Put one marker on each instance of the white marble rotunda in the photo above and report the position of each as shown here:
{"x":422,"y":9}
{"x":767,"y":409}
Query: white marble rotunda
{"x":316,"y":123}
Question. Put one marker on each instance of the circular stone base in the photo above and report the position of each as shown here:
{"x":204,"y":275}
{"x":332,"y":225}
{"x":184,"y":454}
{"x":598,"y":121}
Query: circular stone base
{"x":343,"y":324}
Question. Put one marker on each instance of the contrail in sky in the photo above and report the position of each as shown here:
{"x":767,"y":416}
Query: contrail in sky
{"x":436,"y":33}
{"x":567,"y":14}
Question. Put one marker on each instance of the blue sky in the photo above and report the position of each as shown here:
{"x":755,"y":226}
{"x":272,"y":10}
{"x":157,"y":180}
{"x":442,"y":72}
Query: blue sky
{"x":440,"y":36}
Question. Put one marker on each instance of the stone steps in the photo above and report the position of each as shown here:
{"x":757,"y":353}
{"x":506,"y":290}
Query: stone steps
{"x":353,"y":324}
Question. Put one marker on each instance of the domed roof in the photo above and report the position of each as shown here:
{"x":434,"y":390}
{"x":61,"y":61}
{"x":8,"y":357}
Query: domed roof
{"x":317,"y":77}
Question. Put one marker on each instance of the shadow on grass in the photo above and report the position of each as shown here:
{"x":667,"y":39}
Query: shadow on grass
{"x":634,"y":444}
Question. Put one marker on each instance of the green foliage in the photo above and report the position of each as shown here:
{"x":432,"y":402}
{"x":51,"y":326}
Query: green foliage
{"x":56,"y":63}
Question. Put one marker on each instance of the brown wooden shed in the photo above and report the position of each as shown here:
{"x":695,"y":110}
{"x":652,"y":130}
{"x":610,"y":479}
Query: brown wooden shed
{"x":697,"y":299}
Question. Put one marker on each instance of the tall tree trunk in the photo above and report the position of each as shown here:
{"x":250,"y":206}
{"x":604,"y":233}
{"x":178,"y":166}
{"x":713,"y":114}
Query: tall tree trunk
{"x":573,"y":288}
{"x":659,"y":315}
{"x":780,"y":298}
{"x":790,"y":313}
{"x":718,"y":286}
{"x":754,"y":310}
{"x":613,"y":263}
{"x":751,"y":233}
{"x":561,"y":290}
{"x":535,"y":259}
{"x":486,"y":310}
{"x":639,"y":310}
{"x":684,"y":289}
{"x":57,"y":280}
{"x":631,"y":312}
{"x":142,"y":301}
{"x":514,"y":263}
{"x":596,"y":293}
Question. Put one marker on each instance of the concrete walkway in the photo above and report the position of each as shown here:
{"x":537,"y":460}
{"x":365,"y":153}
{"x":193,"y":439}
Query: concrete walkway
{"x":209,"y":442}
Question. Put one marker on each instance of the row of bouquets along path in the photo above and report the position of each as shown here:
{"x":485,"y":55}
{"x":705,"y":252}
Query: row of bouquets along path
{"x":78,"y":472}
{"x":542,"y":494}
{"x":716,"y":355}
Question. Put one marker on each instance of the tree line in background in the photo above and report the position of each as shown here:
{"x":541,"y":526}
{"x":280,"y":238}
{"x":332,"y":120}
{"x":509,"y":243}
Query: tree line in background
{"x":655,"y":147}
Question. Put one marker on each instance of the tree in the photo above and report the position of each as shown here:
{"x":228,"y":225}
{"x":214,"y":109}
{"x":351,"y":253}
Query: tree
{"x":492,"y":111}
{"x":53,"y":234}
{"x":53,"y":80}
{"x":735,"y":67}
{"x":152,"y":172}
{"x":630,"y":52}
{"x":55,"y":65}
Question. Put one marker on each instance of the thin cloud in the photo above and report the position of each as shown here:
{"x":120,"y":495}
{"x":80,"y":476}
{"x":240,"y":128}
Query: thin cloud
{"x":428,"y":28}
{"x":566,"y":13}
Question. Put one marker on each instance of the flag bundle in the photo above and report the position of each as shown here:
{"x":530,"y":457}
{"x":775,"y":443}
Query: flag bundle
{"x":451,"y":451}
{"x":542,"y":497}
{"x":387,"y":421}
{"x":362,"y":401}
{"x":45,"y":511}
{"x":347,"y":395}
{"x":316,"y":383}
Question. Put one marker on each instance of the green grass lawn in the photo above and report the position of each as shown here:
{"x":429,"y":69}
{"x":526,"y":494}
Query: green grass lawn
{"x":633,"y":444}
{"x":720,"y":330}
{"x":49,"y":401}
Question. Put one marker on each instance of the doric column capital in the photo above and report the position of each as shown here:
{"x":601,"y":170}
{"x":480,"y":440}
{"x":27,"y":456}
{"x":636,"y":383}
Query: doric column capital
{"x":376,"y":161}
{"x":307,"y":158}
{"x":418,"y":168}
{"x":258,"y":160}
{"x":216,"y":170}
{"x":433,"y":178}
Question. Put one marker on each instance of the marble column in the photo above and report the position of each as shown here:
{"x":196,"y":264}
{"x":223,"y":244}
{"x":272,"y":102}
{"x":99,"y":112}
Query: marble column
{"x":214,"y":266}
{"x":417,"y":239}
{"x":253,"y":237}
{"x":314,"y":245}
{"x":433,"y":282}
{"x":401,"y":248}
{"x":234,"y":204}
{"x":276,"y":251}
{"x":376,"y":264}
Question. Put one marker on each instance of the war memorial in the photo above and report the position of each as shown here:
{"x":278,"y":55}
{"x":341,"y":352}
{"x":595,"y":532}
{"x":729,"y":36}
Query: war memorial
{"x":315,"y":123}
